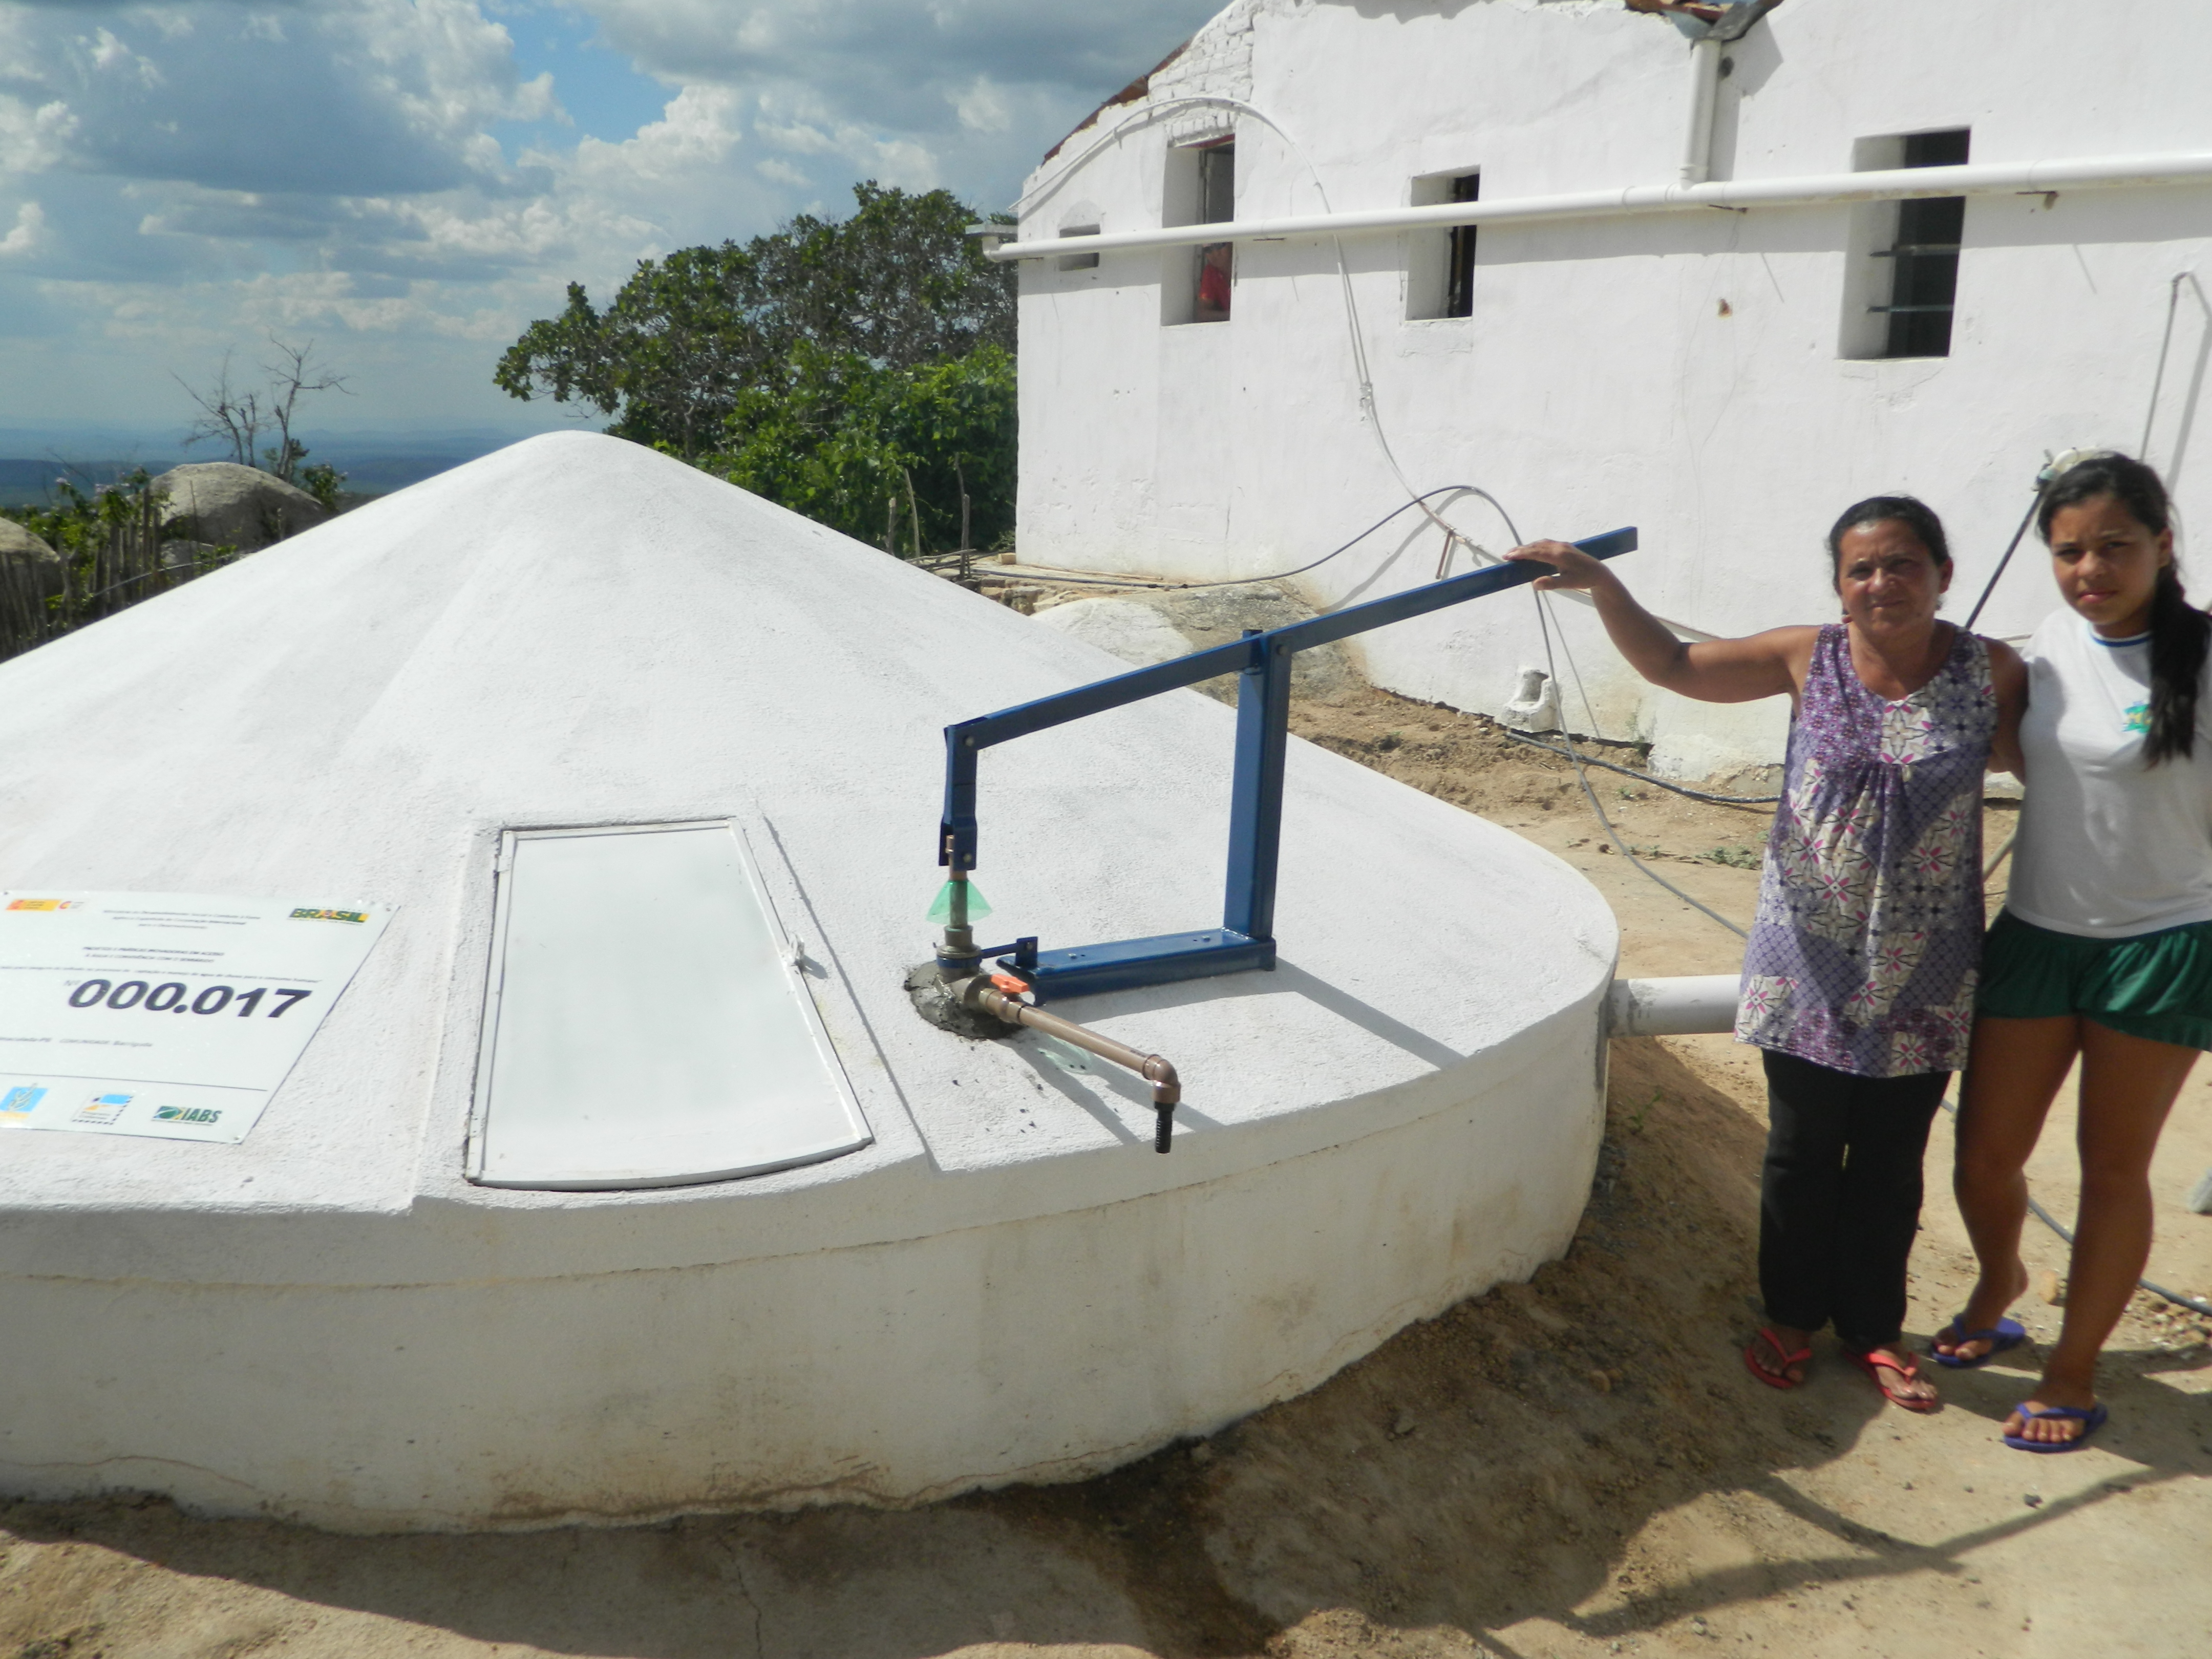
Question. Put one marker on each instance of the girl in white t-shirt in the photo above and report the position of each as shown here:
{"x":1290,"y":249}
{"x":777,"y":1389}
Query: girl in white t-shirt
{"x":2103,"y":950}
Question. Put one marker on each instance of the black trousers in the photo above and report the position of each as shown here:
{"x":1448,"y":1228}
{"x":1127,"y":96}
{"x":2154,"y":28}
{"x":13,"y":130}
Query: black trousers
{"x":1839,"y":1196}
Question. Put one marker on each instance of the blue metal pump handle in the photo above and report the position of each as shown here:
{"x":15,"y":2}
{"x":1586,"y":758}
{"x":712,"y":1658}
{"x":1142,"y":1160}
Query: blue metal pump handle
{"x":1262,"y":661}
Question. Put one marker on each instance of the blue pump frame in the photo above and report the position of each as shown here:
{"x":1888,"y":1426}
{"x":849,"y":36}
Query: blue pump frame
{"x":1261,"y":662}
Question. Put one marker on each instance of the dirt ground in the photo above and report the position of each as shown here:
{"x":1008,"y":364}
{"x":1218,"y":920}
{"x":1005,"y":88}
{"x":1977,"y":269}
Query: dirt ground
{"x":1575,"y":1467}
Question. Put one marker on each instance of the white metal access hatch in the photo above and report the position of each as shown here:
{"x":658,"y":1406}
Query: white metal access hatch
{"x":646,"y":1023}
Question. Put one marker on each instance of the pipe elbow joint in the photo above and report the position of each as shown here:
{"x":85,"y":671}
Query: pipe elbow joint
{"x":1160,"y":1073}
{"x":977,"y":993}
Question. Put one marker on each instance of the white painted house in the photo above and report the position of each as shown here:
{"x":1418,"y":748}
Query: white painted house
{"x":1615,"y":277}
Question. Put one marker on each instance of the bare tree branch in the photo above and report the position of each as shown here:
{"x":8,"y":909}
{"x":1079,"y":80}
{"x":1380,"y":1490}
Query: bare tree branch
{"x":226,"y":417}
{"x":294,"y":377}
{"x":237,"y":420}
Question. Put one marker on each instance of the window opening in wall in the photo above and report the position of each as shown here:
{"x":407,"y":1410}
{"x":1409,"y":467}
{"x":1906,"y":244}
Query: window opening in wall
{"x":1078,"y":261}
{"x":1924,"y":286}
{"x":1216,"y":205}
{"x":1440,"y":263}
{"x":1199,"y":188}
{"x":1217,"y":183}
{"x":1459,"y":283}
{"x":1216,"y":263}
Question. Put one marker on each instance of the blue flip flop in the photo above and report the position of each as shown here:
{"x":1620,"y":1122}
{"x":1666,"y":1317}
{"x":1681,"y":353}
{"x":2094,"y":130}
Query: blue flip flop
{"x":2005,"y":1334}
{"x":2091,"y":1420}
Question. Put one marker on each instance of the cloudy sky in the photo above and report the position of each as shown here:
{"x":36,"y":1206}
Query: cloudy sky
{"x":407,"y":182}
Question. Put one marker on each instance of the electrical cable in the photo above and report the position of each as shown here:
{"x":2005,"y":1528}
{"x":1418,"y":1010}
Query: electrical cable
{"x":1574,"y":759}
{"x":1361,"y":371}
{"x":2043,"y":1215}
{"x":1644,"y":777}
{"x":2045,"y":479}
{"x":1545,"y":621}
{"x":1575,"y":668}
{"x":112,"y":588}
{"x":1355,"y":338}
{"x":2000,"y":855}
{"x":2043,"y":483}
{"x":1150,"y":586}
{"x":2054,"y":468}
{"x":2196,"y":1304}
{"x":2165,"y":346}
{"x":1419,"y":500}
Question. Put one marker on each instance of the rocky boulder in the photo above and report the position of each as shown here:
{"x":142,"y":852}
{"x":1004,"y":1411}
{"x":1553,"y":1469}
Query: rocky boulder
{"x":1134,"y":632}
{"x":220,"y":501}
{"x":1145,"y":626}
{"x":27,"y":562}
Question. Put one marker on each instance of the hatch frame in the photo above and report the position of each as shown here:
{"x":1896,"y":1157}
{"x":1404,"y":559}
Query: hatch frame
{"x":791,"y":954}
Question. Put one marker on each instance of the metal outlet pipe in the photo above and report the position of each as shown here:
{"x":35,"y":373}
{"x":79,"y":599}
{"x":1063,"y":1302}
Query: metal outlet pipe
{"x":1690,"y":1005}
{"x":980,"y":995}
{"x":1704,"y":97}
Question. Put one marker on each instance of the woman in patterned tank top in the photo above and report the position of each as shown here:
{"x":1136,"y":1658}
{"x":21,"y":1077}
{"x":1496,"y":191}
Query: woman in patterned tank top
{"x":1858,"y":980}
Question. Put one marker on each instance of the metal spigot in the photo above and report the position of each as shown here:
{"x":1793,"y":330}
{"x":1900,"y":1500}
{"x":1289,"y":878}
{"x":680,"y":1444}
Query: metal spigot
{"x":957,"y":956}
{"x":980,"y":995}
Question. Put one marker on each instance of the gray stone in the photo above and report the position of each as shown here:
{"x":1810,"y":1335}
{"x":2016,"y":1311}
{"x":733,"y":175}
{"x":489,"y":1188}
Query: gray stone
{"x":25,"y":556}
{"x":184,"y":555}
{"x":1133,"y":631}
{"x":1202,"y":617}
{"x":221,"y":502}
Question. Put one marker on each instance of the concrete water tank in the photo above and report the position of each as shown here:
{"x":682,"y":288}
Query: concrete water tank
{"x":750,"y":1232}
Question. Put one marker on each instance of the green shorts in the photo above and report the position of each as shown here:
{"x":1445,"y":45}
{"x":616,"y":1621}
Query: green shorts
{"x":2154,"y":985}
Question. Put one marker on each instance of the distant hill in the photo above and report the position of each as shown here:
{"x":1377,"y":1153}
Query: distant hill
{"x":27,"y":482}
{"x":374,"y":463}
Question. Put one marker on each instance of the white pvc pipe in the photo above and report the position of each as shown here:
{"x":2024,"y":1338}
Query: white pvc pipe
{"x":1673,"y":1007}
{"x":1975,"y":178}
{"x":1704,"y":96}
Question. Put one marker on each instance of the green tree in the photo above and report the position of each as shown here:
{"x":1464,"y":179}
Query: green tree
{"x":897,"y":285}
{"x":667,"y":358}
{"x":900,"y":281}
{"x":908,"y":457}
{"x":111,"y":544}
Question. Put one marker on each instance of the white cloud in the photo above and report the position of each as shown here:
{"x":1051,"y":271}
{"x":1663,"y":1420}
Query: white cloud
{"x":30,"y":224}
{"x":387,"y":173}
{"x":112,"y":56}
{"x":758,"y":32}
{"x":699,"y":128}
{"x":33,"y":138}
{"x":982,"y":106}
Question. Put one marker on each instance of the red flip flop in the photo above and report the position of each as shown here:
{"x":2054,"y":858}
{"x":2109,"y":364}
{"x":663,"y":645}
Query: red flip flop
{"x":1787,"y":1359}
{"x":1874,"y":1365}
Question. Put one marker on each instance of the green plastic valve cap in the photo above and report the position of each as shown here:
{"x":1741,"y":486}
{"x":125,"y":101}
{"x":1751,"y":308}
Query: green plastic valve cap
{"x":978,"y":906}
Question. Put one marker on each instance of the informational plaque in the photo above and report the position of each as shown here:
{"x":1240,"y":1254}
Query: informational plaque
{"x":170,"y":1015}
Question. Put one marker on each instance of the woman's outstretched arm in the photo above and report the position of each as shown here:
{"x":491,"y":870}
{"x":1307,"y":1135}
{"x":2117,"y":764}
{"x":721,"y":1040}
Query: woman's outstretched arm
{"x":2008,"y":675}
{"x":1768,"y":664}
